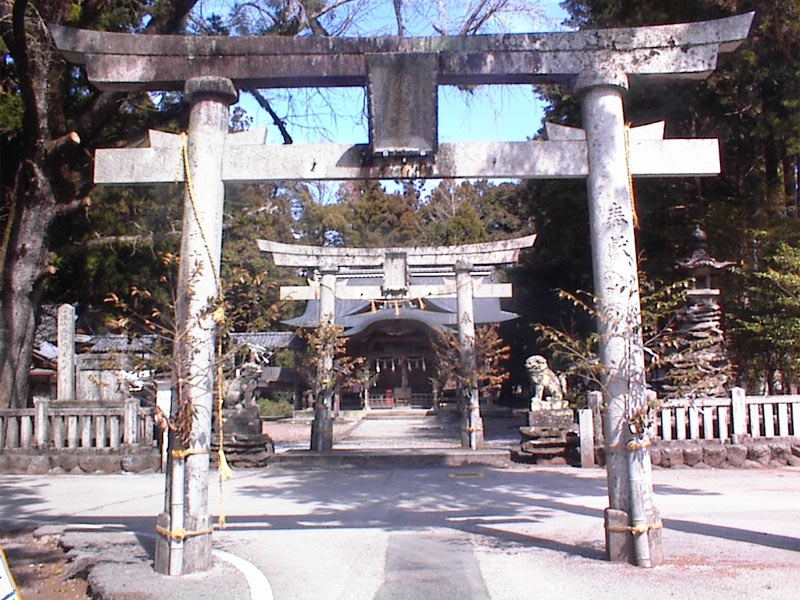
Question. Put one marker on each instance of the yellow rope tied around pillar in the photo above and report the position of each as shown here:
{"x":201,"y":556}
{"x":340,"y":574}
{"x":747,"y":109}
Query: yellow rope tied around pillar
{"x":223,"y":469}
{"x":630,"y":174}
{"x":631,"y":446}
{"x":190,"y":192}
{"x":635,"y":530}
{"x":218,"y":316}
{"x":182,"y":453}
{"x":180,"y":533}
{"x":634,"y":445}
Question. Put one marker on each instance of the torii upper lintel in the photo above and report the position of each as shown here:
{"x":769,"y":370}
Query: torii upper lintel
{"x":118,"y":61}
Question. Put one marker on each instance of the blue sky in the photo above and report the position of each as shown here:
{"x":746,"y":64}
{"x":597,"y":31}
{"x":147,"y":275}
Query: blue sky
{"x":503,"y":113}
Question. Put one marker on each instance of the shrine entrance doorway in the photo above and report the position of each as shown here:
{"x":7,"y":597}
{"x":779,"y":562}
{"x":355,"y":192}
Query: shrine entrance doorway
{"x":401,"y":362}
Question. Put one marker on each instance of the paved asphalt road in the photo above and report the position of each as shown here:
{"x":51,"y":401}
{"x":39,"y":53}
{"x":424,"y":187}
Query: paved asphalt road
{"x":466,"y":533}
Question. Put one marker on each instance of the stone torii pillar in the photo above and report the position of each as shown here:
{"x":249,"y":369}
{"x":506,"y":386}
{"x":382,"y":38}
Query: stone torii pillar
{"x":322,"y":426}
{"x":184,"y":542}
{"x":616,"y":288}
{"x":471,"y":422}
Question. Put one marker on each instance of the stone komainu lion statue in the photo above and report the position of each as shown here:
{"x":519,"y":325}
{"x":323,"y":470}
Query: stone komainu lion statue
{"x":547,"y":392}
{"x":240,"y":391}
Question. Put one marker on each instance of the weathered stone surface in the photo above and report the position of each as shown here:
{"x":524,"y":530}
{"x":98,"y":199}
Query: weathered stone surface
{"x":780,"y":453}
{"x":759,"y":453}
{"x":692,"y":455}
{"x":794,"y":461}
{"x":18,"y":463}
{"x":65,"y":460}
{"x":714,"y":456}
{"x":655,"y":456}
{"x":736,"y":455}
{"x":555,"y":461}
{"x":38,"y":465}
{"x":137,"y":463}
{"x":550,"y":419}
{"x":619,"y":543}
{"x":543,"y":448}
{"x":671,"y":457}
{"x":104,"y":463}
{"x":752,"y":464}
{"x":118,"y":61}
{"x":796,"y":450}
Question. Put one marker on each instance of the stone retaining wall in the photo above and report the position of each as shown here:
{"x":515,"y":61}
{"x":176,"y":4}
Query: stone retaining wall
{"x":76,"y":461}
{"x":749,"y":454}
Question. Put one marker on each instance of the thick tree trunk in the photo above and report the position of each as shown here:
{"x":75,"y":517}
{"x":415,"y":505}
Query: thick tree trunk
{"x":46,"y":184}
{"x":25,"y":247}
{"x":24,"y":270}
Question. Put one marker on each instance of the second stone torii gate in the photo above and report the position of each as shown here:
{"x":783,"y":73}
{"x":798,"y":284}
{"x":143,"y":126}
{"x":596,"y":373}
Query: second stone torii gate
{"x":401,"y":75}
{"x":396,"y":264}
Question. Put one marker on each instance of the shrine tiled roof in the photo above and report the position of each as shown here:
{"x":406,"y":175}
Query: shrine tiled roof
{"x":435,"y":312}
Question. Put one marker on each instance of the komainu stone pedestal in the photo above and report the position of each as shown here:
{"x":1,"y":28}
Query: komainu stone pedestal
{"x":551,"y":433}
{"x":242,"y":440}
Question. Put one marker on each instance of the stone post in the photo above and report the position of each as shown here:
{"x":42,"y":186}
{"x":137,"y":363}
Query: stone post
{"x":65,"y":391}
{"x":738,"y":415}
{"x":586,"y":437}
{"x":41,"y":425}
{"x":186,"y":548}
{"x":616,"y":286}
{"x":322,"y":425}
{"x":130,"y":422}
{"x":471,"y":423}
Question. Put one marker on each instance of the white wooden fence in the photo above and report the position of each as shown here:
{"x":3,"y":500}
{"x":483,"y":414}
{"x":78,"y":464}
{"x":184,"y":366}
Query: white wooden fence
{"x":733,"y":419}
{"x":75,"y":425}
{"x":415,"y":400}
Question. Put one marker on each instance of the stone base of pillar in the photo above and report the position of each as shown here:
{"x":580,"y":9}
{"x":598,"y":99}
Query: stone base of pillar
{"x":197,"y":548}
{"x":619,"y":540}
{"x":161,"y":561}
{"x":466,"y":430}
{"x":194,"y":553}
{"x":322,"y":431}
{"x":654,"y":538}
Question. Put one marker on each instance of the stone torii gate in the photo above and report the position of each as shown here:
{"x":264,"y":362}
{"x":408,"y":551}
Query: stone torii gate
{"x":401,"y":76}
{"x":396,"y":264}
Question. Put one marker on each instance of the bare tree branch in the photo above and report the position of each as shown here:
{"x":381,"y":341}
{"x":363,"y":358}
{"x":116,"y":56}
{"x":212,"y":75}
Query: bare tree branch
{"x":313,"y":21}
{"x":279,"y":123}
{"x":398,"y":15}
{"x":478,"y":17}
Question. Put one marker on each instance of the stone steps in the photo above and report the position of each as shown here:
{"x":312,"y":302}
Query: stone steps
{"x":392,"y":459}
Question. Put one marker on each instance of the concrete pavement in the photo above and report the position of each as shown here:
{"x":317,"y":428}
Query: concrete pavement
{"x":473,"y":531}
{"x":522,"y":532}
